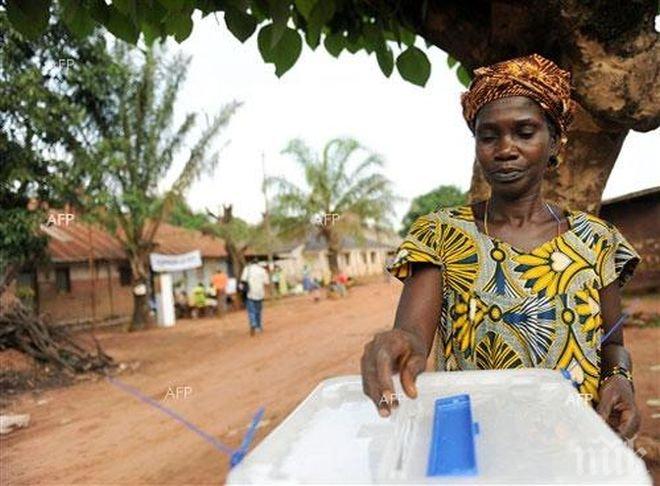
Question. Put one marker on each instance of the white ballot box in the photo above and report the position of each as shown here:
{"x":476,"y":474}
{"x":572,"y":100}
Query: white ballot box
{"x":526,"y":426}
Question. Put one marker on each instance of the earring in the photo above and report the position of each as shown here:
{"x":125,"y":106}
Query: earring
{"x":553,"y":161}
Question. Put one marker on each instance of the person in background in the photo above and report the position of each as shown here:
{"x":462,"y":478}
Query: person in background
{"x":341,"y":281}
{"x":310,"y":285}
{"x":257,"y":280}
{"x":275,"y":280}
{"x":230,"y":292}
{"x":219,"y":281}
{"x":199,"y":299}
{"x":211,"y":298}
{"x":181,"y":303}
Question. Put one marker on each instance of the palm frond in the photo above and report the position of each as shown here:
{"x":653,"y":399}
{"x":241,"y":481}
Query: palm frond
{"x":197,"y":162}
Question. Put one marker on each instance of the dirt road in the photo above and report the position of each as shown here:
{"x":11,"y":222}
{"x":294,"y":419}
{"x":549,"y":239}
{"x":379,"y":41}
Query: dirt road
{"x":94,"y":433}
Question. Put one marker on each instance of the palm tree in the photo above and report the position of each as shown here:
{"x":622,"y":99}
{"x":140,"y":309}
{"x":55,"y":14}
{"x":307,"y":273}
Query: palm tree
{"x":130,"y":161}
{"x":336,"y":201}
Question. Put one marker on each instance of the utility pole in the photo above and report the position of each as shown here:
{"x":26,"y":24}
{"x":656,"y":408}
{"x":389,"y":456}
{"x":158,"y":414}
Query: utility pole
{"x":269,"y":246}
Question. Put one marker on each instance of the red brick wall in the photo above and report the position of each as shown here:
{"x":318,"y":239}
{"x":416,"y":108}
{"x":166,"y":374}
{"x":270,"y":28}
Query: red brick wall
{"x":76,"y":305}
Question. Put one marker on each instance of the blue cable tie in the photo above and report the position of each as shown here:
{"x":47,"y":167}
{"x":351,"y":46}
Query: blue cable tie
{"x":239,"y":454}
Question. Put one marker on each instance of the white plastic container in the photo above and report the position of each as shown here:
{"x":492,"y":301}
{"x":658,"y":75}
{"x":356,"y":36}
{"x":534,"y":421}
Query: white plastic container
{"x":533,"y":428}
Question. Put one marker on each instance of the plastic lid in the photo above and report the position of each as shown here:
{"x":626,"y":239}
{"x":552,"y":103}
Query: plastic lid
{"x":452,"y":451}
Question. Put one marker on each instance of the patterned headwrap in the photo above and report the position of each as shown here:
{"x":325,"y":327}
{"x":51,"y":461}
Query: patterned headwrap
{"x":532,"y":76}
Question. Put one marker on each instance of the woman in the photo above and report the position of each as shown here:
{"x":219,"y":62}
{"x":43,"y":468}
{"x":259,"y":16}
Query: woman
{"x":514,"y":281}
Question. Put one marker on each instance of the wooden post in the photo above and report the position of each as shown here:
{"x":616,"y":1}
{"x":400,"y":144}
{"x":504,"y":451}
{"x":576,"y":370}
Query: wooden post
{"x":112,"y":307}
{"x":92,"y":272}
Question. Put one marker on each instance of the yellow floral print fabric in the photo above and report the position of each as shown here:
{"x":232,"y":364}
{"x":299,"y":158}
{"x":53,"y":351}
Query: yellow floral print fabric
{"x":508,"y":308}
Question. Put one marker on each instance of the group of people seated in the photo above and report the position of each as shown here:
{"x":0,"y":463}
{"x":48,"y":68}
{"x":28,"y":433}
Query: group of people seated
{"x":216,"y":297}
{"x":212,"y":299}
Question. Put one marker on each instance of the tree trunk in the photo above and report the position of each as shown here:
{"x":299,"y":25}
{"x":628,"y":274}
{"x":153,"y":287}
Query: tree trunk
{"x":140,"y":317}
{"x":140,"y":312}
{"x":611,"y":49}
{"x":579,"y":182}
{"x":334,"y":247}
{"x":9,"y":274}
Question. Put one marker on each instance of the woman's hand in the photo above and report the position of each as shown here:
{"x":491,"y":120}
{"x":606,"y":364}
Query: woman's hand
{"x":617,"y":406}
{"x":395,"y":351}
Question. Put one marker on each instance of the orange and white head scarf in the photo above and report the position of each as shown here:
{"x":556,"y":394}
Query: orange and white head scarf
{"x":532,"y":76}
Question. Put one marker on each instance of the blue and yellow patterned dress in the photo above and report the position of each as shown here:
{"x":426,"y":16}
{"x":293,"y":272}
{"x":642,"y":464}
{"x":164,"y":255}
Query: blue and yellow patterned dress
{"x":507,"y":308}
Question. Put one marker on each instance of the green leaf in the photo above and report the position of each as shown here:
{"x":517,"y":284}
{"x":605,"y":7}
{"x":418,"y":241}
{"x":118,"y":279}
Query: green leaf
{"x":414,"y":66}
{"x":151,"y":33}
{"x":279,"y":11}
{"x":334,"y":43}
{"x":385,"y":60}
{"x":124,"y":6}
{"x":305,"y":7}
{"x":239,"y":23}
{"x":353,"y":46}
{"x":178,"y":24}
{"x":372,"y":37}
{"x":451,"y":62}
{"x":185,"y":28}
{"x":173,"y":5}
{"x":285,"y":53}
{"x":320,"y":15}
{"x":29,"y":17}
{"x":463,"y":76}
{"x":154,"y":15}
{"x":121,"y":26}
{"x":407,"y":37}
{"x":76,"y":17}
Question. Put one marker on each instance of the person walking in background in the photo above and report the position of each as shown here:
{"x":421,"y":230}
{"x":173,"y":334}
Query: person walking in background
{"x":219,"y":281}
{"x":256,"y":279}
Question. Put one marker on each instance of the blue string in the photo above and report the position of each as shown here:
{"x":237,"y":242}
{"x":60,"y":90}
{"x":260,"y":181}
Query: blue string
{"x":616,"y":326}
{"x":207,"y":437}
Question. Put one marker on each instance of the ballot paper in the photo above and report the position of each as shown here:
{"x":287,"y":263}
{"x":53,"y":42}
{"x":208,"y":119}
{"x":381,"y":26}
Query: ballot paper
{"x":533,"y":427}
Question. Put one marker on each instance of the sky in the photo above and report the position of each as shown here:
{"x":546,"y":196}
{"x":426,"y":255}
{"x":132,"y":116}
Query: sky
{"x":420,"y":132}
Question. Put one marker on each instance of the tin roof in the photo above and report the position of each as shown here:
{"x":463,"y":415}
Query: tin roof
{"x":651,"y":191}
{"x":75,"y":241}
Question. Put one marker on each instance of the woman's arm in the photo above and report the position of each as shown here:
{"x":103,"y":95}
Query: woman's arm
{"x":406,"y":347}
{"x":617,"y":400}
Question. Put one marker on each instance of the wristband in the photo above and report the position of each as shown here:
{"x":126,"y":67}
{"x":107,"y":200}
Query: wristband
{"x":617,"y":370}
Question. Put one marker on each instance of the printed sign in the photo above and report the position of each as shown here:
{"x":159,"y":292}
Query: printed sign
{"x":175,"y":263}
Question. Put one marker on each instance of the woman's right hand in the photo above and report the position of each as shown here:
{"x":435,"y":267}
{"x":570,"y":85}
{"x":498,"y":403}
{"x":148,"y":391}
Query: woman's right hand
{"x":390,"y":352}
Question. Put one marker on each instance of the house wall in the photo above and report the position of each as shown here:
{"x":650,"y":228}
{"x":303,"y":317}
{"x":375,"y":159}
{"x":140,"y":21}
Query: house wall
{"x":356,"y":262}
{"x":637,"y":219}
{"x":111,"y":298}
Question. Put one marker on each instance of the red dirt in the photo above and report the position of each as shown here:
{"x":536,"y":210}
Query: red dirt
{"x":95,"y":433}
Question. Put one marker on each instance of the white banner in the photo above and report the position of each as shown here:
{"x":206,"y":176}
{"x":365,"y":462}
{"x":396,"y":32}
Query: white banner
{"x":175,"y":263}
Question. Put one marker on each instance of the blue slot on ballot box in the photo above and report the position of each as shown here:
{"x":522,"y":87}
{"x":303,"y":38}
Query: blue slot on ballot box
{"x":452,"y":451}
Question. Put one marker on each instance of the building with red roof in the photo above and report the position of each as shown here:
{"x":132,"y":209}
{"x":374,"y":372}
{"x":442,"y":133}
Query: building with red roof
{"x":88,"y":276}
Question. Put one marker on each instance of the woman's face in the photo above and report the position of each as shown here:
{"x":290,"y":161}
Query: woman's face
{"x":513,"y":144}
